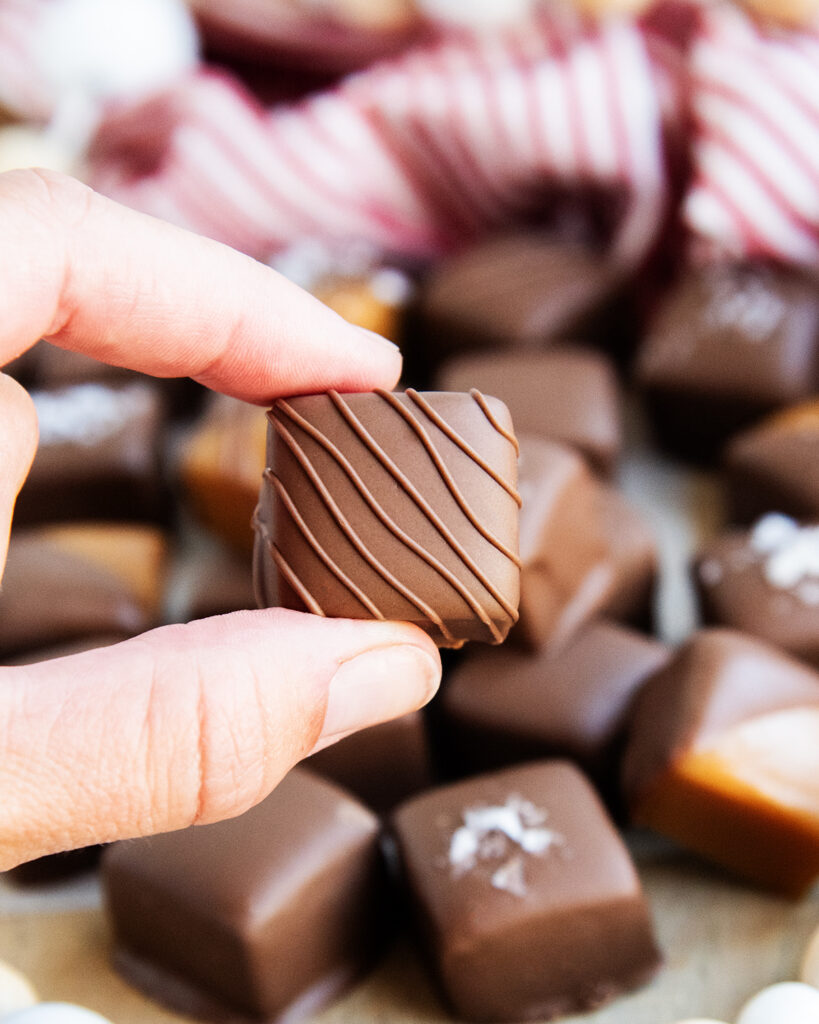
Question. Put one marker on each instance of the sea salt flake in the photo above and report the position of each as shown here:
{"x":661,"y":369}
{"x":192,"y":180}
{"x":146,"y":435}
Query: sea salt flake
{"x":510,"y":878}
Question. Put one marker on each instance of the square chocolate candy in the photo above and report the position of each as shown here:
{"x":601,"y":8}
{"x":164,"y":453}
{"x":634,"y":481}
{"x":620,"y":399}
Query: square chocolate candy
{"x":526,"y":897}
{"x":730,"y":343}
{"x":563,"y":393}
{"x":723,"y":757}
{"x":393,"y":506}
{"x":271,"y":913}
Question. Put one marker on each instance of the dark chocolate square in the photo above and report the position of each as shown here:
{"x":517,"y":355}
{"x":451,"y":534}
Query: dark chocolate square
{"x":527,"y":900}
{"x":393,"y":506}
{"x":273,"y":912}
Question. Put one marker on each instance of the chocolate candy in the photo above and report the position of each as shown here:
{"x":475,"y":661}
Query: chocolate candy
{"x":505,"y":706}
{"x":730,"y":343}
{"x":382,"y":765}
{"x":563,"y":394}
{"x":583,"y":548}
{"x":723,"y":758}
{"x":526,"y":898}
{"x":98,"y":457}
{"x":271,"y":913}
{"x":393,"y":506}
{"x":765,"y":581}
{"x":222,"y":466}
{"x":774,"y":467}
{"x":515,"y":291}
{"x":70,"y":583}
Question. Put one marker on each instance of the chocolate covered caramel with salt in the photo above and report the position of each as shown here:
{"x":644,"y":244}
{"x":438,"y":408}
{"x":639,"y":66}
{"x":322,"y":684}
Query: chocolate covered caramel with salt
{"x":393,"y":506}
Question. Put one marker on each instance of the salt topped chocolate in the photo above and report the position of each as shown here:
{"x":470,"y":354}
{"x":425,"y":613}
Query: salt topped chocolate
{"x":563,"y":394}
{"x":393,"y":506}
{"x":774,"y":466}
{"x":765,"y":581}
{"x":527,"y":901}
{"x":730,"y":343}
{"x":723,"y":757}
{"x":264,"y":917}
{"x":98,"y":456}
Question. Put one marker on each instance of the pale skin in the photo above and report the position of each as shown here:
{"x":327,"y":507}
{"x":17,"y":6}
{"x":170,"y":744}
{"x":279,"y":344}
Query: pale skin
{"x":187,"y":724}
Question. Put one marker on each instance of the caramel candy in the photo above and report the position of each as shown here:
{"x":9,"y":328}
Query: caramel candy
{"x":765,"y":582}
{"x":526,"y":898}
{"x":74,"y":582}
{"x":98,"y":456}
{"x":774,"y":467}
{"x":584,"y":550}
{"x":730,"y":343}
{"x":382,"y":765}
{"x":222,"y":466}
{"x":272,"y":913}
{"x":563,"y":394}
{"x":393,"y":506}
{"x":505,"y":706}
{"x":723,"y":757}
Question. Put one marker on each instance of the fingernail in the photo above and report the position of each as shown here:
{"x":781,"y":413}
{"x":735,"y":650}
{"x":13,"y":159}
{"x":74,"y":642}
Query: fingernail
{"x":378,"y":685}
{"x":372,"y":336}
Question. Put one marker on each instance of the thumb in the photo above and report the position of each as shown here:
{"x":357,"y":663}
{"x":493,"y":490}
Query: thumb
{"x":190,"y":724}
{"x":18,"y":443}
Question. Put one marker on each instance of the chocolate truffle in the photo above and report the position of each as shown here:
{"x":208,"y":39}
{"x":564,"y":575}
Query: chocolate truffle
{"x":393,"y":506}
{"x":564,"y":394}
{"x":723,"y":757}
{"x":774,"y":467}
{"x":222,"y":466}
{"x":765,"y":582}
{"x":729,"y":344}
{"x":382,"y":765}
{"x":583,"y":548}
{"x":521,"y":290}
{"x":98,"y":456}
{"x":505,"y":706}
{"x":526,"y":898}
{"x":274,"y":912}
{"x":71,"y":583}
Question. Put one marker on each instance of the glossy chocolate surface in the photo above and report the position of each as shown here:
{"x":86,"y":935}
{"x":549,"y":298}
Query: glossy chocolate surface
{"x":563,"y":394}
{"x":267,"y":915}
{"x":729,"y":344}
{"x":396,"y":506}
{"x":505,"y":706}
{"x":526,"y":898}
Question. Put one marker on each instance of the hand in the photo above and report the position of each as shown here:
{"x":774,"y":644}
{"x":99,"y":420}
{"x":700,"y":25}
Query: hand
{"x":188,"y":723}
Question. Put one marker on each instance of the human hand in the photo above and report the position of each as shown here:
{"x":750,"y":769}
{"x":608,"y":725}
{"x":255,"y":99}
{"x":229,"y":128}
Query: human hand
{"x":188,"y":723}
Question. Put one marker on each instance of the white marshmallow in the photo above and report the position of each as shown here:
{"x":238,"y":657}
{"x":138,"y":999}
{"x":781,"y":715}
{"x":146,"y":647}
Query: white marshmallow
{"x":790,"y":1002}
{"x":16,"y":991}
{"x":810,"y":964}
{"x":55,"y":1013}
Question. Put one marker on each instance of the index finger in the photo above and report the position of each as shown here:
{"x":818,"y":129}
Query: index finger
{"x":93,"y":276}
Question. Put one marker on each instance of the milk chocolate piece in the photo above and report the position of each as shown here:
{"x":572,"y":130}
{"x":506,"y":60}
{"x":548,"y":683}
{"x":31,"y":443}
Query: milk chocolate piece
{"x":382,"y":765}
{"x":527,"y":900}
{"x":74,"y":582}
{"x":729,"y":344}
{"x":765,"y":581}
{"x":774,"y":467}
{"x":583,"y":548}
{"x":272,"y":913}
{"x":98,"y":456}
{"x":393,"y":506}
{"x":723,"y":757}
{"x":505,"y":706}
{"x":516,"y":291}
{"x":564,"y":394}
{"x":222,"y":467}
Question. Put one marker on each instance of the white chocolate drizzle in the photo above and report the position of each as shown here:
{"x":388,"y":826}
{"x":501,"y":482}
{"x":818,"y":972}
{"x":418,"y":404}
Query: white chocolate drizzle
{"x":506,"y":833}
{"x":86,"y":414}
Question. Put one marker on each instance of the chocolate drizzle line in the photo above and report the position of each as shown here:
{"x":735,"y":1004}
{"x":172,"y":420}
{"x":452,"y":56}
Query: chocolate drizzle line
{"x":310,"y":537}
{"x":284,"y":568}
{"x":345,"y":526}
{"x":320,"y":438}
{"x":410,"y":488}
{"x":510,"y":437}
